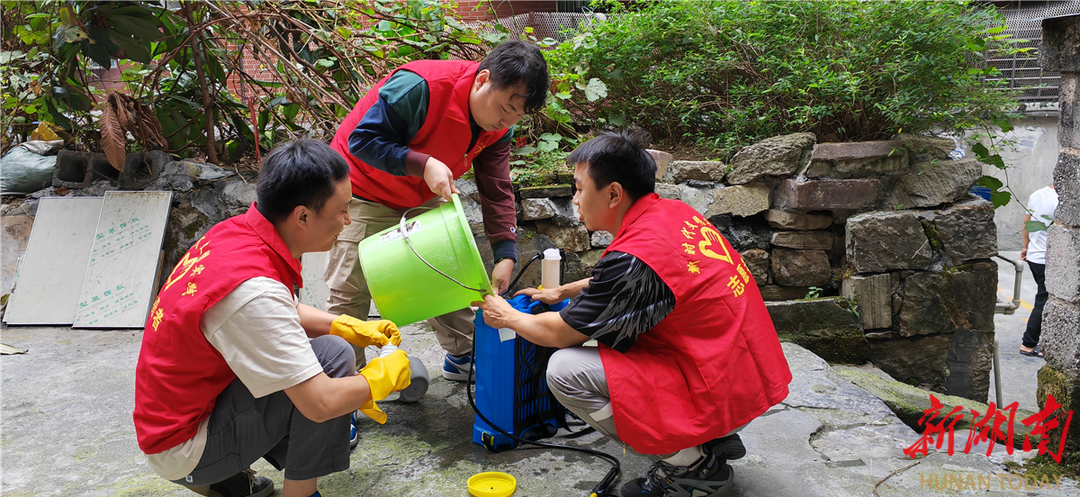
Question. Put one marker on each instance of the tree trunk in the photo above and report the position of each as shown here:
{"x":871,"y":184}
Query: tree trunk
{"x":200,"y":71}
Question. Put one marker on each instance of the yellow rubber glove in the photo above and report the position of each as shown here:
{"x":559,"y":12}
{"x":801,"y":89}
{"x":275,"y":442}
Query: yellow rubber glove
{"x":385,"y":375}
{"x":364,"y":333}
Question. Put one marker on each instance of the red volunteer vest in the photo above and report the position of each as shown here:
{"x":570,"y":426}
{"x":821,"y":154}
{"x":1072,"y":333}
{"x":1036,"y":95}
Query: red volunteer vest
{"x":715,"y":362}
{"x":445,"y":134}
{"x":179,"y":374}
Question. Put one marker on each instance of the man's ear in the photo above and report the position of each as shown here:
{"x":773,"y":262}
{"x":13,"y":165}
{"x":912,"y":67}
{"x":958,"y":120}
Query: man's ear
{"x":615,"y":193}
{"x":300,"y":215}
{"x":481,"y":78}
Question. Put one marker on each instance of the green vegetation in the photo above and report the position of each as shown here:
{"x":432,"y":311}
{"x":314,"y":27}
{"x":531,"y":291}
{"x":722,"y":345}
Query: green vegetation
{"x":541,"y":168}
{"x":731,"y":73}
{"x":712,"y":75}
{"x":1042,"y":466}
{"x":185,"y":67}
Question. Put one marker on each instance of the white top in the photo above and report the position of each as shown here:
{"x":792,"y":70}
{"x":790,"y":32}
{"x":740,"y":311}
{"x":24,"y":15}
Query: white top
{"x":1041,"y":203}
{"x":256,"y":328}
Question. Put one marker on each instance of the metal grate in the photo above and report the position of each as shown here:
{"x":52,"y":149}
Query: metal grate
{"x":1039,"y":88}
{"x":557,"y":25}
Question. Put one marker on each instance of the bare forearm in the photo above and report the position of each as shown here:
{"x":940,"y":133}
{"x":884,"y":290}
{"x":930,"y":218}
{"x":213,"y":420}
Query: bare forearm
{"x":546,"y":330}
{"x":322,"y":398}
{"x":347,"y":395}
{"x":315,"y":322}
{"x":571,"y":290}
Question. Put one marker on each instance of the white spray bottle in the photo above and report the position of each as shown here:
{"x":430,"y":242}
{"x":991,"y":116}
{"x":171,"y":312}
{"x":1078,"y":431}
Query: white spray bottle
{"x":549,"y":269}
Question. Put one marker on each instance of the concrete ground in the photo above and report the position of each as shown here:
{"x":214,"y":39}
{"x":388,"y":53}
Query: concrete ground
{"x":1018,"y":380}
{"x":67,"y":430}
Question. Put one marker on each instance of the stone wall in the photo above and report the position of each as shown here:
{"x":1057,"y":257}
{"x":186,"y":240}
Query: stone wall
{"x":1060,"y":51}
{"x":886,"y":229}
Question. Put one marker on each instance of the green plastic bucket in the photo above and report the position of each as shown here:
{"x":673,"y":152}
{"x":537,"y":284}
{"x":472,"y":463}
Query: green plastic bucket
{"x":407,"y":290}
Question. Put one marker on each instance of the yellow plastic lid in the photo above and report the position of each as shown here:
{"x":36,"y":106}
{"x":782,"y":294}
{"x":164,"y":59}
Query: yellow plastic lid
{"x":492,"y":484}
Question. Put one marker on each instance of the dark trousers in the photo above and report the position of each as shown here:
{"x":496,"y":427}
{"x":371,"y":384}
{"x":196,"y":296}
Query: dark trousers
{"x":1034,"y":324}
{"x":242,"y":429}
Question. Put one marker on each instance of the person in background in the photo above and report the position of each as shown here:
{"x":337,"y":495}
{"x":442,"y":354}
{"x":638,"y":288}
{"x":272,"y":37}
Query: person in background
{"x":1041,"y":206}
{"x":687,"y":353}
{"x":408,"y":139}
{"x":233,"y":368}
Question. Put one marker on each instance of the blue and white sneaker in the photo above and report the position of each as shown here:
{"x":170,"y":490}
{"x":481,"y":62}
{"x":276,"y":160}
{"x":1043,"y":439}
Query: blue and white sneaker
{"x":354,"y":436}
{"x":456,"y":368}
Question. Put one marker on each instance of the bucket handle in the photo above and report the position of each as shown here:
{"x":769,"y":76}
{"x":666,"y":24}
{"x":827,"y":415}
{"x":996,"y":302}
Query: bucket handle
{"x":405,"y":234}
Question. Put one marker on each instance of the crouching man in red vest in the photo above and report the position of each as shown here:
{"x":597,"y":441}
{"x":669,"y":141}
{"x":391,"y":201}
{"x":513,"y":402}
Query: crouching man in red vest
{"x":232,"y":368}
{"x":687,"y":354}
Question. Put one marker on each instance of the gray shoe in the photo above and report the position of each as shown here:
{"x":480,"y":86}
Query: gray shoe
{"x":710,"y":476}
{"x":727,"y":448}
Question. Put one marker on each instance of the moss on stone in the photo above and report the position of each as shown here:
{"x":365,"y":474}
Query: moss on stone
{"x":843,"y":303}
{"x":951,"y":271}
{"x":932,"y":234}
{"x":1052,"y":382}
{"x":1066,"y":392}
{"x":849,"y":349}
{"x":545,"y":187}
{"x":825,"y":325}
{"x":146,"y":485}
{"x":1044,"y":466}
{"x":192,"y":228}
{"x":909,"y":403}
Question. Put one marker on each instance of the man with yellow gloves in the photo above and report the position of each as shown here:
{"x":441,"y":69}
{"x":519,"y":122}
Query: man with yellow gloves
{"x":233,"y":368}
{"x":380,"y":334}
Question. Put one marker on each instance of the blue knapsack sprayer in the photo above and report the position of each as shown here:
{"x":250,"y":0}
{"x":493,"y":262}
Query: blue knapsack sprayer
{"x":513,"y":404}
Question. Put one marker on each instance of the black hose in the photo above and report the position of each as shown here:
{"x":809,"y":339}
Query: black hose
{"x":599,"y":490}
{"x":510,"y":287}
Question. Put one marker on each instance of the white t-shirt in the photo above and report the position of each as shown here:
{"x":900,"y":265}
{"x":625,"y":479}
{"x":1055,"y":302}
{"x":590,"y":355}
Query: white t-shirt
{"x":1041,"y":203}
{"x":256,"y":328}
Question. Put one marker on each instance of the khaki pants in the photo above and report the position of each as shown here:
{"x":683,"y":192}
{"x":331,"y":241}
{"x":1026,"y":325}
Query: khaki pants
{"x":349,"y":292}
{"x":575,"y":376}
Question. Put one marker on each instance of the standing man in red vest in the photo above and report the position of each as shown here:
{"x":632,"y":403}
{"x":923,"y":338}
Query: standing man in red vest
{"x":408,"y":139}
{"x":687,"y":354}
{"x":233,"y":368}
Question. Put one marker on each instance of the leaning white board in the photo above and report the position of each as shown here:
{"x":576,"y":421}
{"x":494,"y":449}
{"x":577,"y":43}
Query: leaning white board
{"x":314,"y":292}
{"x":51,"y":276}
{"x":122,"y":271}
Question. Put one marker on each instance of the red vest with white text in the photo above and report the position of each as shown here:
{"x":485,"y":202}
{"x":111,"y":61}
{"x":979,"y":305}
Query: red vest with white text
{"x":180,"y":374}
{"x":445,"y":134}
{"x":714,"y":363}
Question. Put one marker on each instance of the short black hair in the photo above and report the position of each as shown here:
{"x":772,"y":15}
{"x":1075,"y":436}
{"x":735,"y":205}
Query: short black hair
{"x":619,"y":156}
{"x":303,"y":172}
{"x":515,"y":62}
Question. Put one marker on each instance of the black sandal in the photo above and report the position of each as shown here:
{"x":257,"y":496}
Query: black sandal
{"x":1035,"y":352}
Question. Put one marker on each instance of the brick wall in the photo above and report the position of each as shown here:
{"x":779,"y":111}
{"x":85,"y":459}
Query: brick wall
{"x":253,"y":68}
{"x":482,"y":10}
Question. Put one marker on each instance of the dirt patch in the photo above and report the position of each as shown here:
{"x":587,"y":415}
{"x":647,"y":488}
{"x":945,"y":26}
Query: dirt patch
{"x":681,"y":150}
